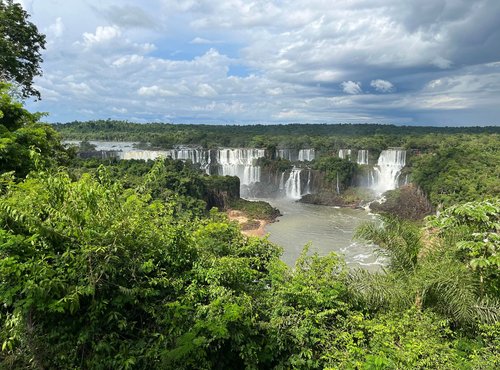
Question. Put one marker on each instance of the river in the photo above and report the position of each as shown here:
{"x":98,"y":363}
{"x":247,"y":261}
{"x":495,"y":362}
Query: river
{"x":327,"y":229}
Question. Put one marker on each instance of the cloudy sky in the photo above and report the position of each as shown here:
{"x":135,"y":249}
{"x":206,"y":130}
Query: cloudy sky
{"x":427,"y":62}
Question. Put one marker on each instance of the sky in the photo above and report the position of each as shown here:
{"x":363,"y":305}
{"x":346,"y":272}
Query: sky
{"x":408,"y":62}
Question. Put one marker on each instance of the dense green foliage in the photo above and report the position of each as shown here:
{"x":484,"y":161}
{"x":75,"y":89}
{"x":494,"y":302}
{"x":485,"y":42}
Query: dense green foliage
{"x":451,"y":267}
{"x":20,"y":47}
{"x":460,"y":169}
{"x":255,"y":209}
{"x":115,"y":279}
{"x":337,"y":170}
{"x":97,"y":276}
{"x":24,"y":142}
{"x":407,"y":202}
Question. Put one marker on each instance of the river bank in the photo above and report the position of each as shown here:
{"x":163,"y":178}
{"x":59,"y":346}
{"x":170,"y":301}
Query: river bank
{"x":249,"y":226}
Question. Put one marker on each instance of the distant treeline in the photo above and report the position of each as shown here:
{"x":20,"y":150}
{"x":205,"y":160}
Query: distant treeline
{"x":319,"y":136}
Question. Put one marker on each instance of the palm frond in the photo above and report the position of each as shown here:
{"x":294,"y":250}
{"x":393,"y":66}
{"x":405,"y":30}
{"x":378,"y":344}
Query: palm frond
{"x":378,"y":290}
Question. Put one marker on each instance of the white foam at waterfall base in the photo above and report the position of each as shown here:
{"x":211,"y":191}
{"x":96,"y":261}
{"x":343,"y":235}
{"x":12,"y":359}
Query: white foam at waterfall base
{"x":386,"y":172}
{"x":292,"y":185}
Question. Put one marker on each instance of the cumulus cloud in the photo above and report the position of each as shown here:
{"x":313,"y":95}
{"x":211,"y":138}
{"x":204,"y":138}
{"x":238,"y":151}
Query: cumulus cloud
{"x":57,"y":28}
{"x":102,"y":34}
{"x":351,"y":87}
{"x":155,"y":91}
{"x":128,"y":60}
{"x":204,"y":90}
{"x":274,"y":61}
{"x":382,"y":86}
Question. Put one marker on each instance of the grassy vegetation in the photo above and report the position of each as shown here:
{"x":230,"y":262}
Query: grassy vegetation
{"x":255,"y":209}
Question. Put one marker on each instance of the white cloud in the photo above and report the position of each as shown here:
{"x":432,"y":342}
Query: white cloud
{"x":327,"y":76}
{"x":382,"y":85}
{"x":103,"y":34}
{"x":444,"y":102}
{"x":57,"y":28}
{"x":351,"y":87}
{"x":128,"y":60}
{"x":128,"y":16}
{"x":79,"y":88}
{"x":277,"y":61}
{"x":155,"y":91}
{"x":200,"y":41}
{"x":274,"y":91}
{"x":119,"y":110}
{"x":442,"y":63}
{"x":206,"y":91}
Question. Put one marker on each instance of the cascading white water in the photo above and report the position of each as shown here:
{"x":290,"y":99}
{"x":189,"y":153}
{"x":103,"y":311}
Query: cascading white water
{"x":362,"y":156}
{"x":146,"y":155}
{"x":345,"y":153}
{"x":292,"y":185}
{"x":308,"y":184}
{"x":198,"y":156}
{"x":386,"y":172}
{"x":293,"y":155}
{"x":306,"y":155}
{"x":241,"y":163}
{"x":282,"y":181}
{"x":288,"y":154}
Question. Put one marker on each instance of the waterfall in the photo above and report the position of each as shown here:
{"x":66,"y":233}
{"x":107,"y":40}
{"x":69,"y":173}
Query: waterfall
{"x":241,"y":163}
{"x":232,"y":162}
{"x":308,"y":185}
{"x":146,"y":155}
{"x":282,"y":181}
{"x":292,"y":185}
{"x":197,"y":156}
{"x":386,"y":172}
{"x":338,"y":188}
{"x":194,"y":155}
{"x":306,"y":155}
{"x":293,"y":155}
{"x":362,"y":157}
{"x":288,"y":154}
{"x":345,"y":153}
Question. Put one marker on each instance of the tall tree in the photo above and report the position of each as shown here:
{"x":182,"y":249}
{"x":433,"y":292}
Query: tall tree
{"x":20,"y":48}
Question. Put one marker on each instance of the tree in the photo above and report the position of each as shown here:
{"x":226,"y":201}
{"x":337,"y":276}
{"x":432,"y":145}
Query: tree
{"x":451,"y":267}
{"x":337,"y":169}
{"x":20,"y":47}
{"x":24,"y":142}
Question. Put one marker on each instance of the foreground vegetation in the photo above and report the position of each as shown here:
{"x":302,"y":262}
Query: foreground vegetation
{"x":97,"y":276}
{"x":121,"y":266}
